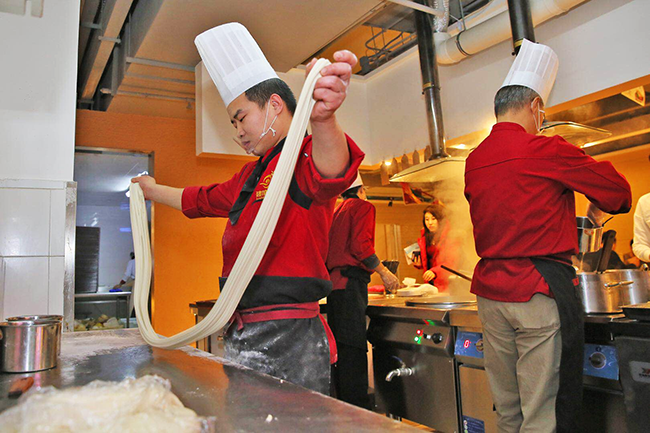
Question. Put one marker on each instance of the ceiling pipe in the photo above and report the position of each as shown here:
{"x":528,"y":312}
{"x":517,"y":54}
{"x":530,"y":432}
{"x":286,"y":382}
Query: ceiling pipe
{"x":100,"y":45}
{"x":451,"y":50}
{"x":440,"y":165}
{"x":422,"y":7}
{"x":521,"y":23}
{"x":424,"y":26}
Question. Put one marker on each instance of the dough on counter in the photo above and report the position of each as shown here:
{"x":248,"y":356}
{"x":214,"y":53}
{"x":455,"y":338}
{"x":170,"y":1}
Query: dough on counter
{"x":133,"y":405}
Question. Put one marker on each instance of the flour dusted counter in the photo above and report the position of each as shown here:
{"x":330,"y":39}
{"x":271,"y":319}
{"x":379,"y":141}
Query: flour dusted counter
{"x":239,"y":398}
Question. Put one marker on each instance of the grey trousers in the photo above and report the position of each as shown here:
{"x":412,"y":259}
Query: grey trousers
{"x":522,"y":347}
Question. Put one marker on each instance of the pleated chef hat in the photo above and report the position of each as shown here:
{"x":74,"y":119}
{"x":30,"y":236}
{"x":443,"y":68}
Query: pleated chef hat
{"x":233,"y":59}
{"x":534,"y":67}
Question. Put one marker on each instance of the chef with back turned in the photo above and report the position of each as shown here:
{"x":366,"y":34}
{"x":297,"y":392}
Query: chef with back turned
{"x":277,"y":328}
{"x":520,"y":187}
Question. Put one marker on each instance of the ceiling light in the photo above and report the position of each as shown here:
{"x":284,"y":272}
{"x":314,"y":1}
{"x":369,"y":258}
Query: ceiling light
{"x":387,"y":163}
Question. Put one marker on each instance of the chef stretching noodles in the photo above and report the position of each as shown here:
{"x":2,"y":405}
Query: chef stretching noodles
{"x":520,"y":188}
{"x":276,"y":329}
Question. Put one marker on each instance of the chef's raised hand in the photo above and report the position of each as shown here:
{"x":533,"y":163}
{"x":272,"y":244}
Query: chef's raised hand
{"x":160,"y":193}
{"x":429,"y":275}
{"x":331,"y":89}
{"x":147,"y":183}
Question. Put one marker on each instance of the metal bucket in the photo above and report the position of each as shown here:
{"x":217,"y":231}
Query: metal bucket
{"x":27,"y":346}
{"x":43,"y":318}
{"x":589,"y":235}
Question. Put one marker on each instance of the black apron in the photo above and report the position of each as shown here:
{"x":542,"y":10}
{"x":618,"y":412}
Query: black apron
{"x":562,"y":281}
{"x":346,"y":309}
{"x":346,"y":315}
{"x":296,"y":350}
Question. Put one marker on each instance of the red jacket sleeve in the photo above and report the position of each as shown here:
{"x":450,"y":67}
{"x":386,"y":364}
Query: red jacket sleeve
{"x":362,"y":238}
{"x":597,"y":180}
{"x":319,"y":188}
{"x":214,"y":200}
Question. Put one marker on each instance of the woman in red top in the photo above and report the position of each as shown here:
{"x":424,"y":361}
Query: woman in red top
{"x":434,"y":247}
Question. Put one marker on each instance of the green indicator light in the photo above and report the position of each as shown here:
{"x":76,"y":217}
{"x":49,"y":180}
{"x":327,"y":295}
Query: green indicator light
{"x":416,"y":339}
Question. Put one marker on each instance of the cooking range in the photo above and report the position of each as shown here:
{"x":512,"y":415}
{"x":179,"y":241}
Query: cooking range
{"x":428,"y":367}
{"x":416,"y":374}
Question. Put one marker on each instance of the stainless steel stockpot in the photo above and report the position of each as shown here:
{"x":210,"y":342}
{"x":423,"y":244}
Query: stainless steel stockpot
{"x":633,"y":284}
{"x":28,"y":345}
{"x":43,"y":318}
{"x":596,"y":298}
{"x":605,"y":292}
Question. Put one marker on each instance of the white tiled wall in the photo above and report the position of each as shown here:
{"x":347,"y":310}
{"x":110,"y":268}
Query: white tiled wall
{"x":32,"y":229}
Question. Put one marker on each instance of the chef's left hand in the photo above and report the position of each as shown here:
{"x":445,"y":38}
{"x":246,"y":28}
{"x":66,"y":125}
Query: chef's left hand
{"x":429,"y":275}
{"x":332,"y":87}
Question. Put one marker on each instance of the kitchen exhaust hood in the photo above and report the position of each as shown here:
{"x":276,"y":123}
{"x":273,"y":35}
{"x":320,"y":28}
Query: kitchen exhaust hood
{"x":575,"y":133}
{"x":435,"y":170}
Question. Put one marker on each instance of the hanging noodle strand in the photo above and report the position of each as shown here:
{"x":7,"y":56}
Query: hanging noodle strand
{"x":251,"y":253}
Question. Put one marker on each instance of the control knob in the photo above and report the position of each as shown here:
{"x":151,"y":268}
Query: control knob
{"x":437,"y":338}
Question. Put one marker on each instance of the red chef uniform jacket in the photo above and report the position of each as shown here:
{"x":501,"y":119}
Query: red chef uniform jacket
{"x":352,"y":239}
{"x":293,"y":267}
{"x":434,"y":256}
{"x":520,"y":191}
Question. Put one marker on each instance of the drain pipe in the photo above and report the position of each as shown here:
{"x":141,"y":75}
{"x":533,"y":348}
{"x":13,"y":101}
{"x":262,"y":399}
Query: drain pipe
{"x":451,"y":50}
{"x":424,"y":26}
{"x":521,"y":23}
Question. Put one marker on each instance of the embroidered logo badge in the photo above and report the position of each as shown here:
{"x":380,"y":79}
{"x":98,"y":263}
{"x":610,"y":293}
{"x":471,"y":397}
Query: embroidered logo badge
{"x":264,"y":184}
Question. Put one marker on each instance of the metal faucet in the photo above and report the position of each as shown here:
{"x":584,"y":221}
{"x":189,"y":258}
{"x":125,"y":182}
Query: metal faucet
{"x":403,"y":370}
{"x":406,"y":371}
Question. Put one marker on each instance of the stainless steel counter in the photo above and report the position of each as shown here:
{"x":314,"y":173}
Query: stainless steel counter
{"x":239,"y":398}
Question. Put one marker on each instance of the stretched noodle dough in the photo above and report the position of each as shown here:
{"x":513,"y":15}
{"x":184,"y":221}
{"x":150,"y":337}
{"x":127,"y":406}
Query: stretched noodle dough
{"x":251,"y":253}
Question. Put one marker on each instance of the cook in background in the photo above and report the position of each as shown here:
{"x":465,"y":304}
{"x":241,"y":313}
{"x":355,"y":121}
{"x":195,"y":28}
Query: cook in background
{"x":278,"y":328}
{"x":129,"y":274}
{"x":630,"y":259}
{"x":435,"y":247}
{"x":351,"y":260}
{"x":519,"y":186}
{"x":641,"y":245}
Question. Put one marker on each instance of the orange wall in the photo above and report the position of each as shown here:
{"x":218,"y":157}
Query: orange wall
{"x":187,"y":253}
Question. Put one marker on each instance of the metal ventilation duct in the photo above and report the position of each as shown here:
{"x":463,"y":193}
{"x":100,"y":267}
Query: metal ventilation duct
{"x":440,"y":165}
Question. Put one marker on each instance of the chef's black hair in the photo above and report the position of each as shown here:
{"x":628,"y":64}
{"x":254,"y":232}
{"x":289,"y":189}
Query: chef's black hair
{"x":513,"y":98}
{"x":351,"y":193}
{"x":437,"y":211}
{"x":262,"y":92}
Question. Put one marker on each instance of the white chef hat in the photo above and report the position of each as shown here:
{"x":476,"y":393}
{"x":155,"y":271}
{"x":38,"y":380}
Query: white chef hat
{"x":233,"y":59}
{"x":534,"y":67}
